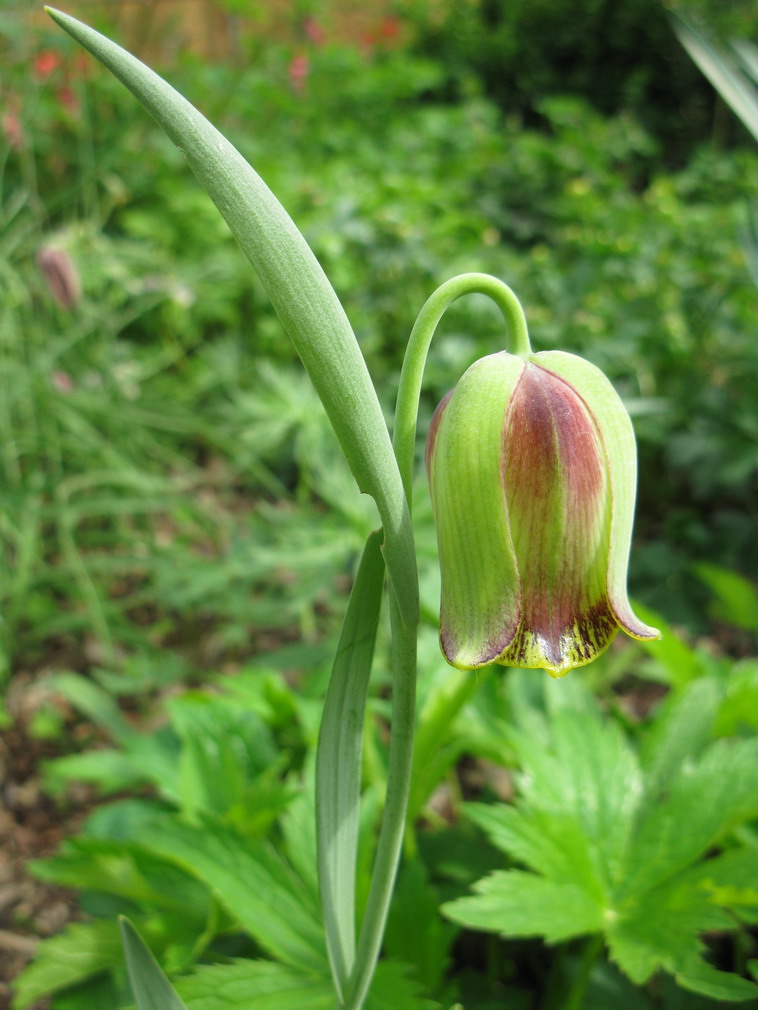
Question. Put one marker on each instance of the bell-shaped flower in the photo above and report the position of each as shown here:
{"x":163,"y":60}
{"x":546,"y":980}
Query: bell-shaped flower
{"x":532,"y":468}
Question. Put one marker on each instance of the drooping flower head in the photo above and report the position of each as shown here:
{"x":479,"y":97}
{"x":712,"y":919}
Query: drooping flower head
{"x":532,"y":469}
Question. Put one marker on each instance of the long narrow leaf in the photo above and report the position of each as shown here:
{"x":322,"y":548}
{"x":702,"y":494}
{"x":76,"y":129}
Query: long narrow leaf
{"x":338,"y":761}
{"x":748,"y":56}
{"x":299,"y":291}
{"x":723,"y":73}
{"x":152,"y":990}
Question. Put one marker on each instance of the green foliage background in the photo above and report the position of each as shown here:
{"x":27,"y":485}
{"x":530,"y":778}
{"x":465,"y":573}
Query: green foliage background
{"x":172,"y":500}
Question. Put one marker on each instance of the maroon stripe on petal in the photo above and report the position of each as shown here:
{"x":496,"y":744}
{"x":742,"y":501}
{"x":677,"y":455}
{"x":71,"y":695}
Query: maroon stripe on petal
{"x":550,"y":434}
{"x":558,"y":499}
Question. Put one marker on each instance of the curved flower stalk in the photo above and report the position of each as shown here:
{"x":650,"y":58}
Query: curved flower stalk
{"x":532,"y":470}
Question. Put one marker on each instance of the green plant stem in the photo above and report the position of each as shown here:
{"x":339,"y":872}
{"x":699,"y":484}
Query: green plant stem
{"x":400,"y":762}
{"x":589,"y":955}
{"x":404,"y":631}
{"x":411,"y":376}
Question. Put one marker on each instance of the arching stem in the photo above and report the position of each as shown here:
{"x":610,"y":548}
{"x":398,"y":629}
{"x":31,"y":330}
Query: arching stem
{"x":403,"y":634}
{"x":411,"y":376}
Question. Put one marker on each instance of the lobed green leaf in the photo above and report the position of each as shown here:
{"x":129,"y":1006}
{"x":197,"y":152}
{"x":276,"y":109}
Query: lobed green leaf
{"x":522,"y":904}
{"x":265,"y":985}
{"x":253,"y":883}
{"x":81,"y":951}
{"x":641,"y":881}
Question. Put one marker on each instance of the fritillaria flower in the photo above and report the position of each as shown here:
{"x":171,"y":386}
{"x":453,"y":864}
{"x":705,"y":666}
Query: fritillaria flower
{"x":532,"y":469}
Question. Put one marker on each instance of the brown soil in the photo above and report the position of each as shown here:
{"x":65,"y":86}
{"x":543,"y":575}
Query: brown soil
{"x":31,"y":827}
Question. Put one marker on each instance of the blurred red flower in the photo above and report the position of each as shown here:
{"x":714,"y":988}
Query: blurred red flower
{"x":314,"y":32}
{"x":298,"y":71}
{"x":12,"y":128}
{"x":46,"y":62}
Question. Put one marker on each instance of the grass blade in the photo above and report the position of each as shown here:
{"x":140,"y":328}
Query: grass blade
{"x":152,"y":990}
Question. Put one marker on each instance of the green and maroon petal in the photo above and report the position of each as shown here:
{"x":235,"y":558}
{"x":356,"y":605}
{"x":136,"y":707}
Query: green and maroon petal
{"x":559,"y":513}
{"x":481,"y":597}
{"x":619,"y":447}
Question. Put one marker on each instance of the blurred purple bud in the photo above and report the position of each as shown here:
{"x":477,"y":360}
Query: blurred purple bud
{"x":61,"y":276}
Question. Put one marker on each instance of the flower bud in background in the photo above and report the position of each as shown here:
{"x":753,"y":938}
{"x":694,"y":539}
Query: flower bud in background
{"x":532,"y":469}
{"x":61,"y":275}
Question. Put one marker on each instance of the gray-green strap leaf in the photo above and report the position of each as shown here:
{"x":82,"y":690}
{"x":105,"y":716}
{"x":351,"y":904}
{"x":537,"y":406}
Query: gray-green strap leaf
{"x":299,"y":291}
{"x":338,"y":762}
{"x":152,"y":990}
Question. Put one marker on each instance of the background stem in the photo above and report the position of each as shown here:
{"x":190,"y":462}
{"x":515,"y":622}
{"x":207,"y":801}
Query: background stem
{"x":589,"y":955}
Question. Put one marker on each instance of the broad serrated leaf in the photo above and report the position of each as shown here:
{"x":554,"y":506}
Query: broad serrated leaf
{"x":549,"y":842}
{"x":224,"y":747}
{"x":265,"y":985}
{"x":681,"y":730}
{"x":152,"y":989}
{"x":588,"y":775}
{"x":253,"y":883}
{"x":79,"y":952}
{"x":98,"y":993}
{"x":701,"y":977}
{"x":522,"y":904}
{"x":729,"y":880}
{"x":393,"y":987}
{"x":660,"y":929}
{"x":701,"y":804}
{"x":640,"y":881}
{"x":298,"y":825}
{"x":126,"y":870}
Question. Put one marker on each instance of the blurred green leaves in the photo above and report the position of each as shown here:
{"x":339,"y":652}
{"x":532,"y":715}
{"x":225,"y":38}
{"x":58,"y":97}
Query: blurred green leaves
{"x":172,"y":504}
{"x":144,"y":436}
{"x":82,"y":951}
{"x":621,"y":847}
